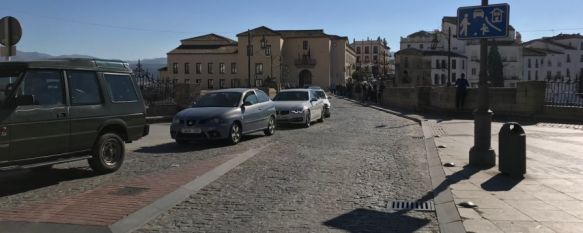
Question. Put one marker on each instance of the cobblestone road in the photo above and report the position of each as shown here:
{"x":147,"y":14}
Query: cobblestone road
{"x":335,"y":176}
{"x":149,"y":155}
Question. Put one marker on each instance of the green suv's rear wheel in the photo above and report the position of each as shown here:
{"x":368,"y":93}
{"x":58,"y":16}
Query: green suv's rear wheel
{"x":108,"y":153}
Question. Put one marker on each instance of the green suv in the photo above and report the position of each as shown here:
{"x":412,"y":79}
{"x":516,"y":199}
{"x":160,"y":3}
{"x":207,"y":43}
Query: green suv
{"x":58,"y":111}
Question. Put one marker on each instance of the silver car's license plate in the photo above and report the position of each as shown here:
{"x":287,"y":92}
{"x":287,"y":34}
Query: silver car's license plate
{"x":191,"y":130}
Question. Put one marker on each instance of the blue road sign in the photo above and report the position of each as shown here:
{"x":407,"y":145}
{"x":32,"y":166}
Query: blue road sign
{"x":483,"y":21}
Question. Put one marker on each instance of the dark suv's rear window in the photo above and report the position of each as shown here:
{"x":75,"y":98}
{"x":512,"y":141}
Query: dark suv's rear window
{"x":121,"y":88}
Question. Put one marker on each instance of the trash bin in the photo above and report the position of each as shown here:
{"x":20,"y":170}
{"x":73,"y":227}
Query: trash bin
{"x":512,"y":150}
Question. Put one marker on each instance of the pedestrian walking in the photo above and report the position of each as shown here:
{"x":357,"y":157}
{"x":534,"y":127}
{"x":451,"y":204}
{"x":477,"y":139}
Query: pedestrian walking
{"x":364,"y":92}
{"x":375,"y":92}
{"x":381,"y":89}
{"x":460,"y":94}
{"x":357,"y":90}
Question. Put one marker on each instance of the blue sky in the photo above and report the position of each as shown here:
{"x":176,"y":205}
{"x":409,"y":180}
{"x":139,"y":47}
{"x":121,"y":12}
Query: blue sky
{"x":133,"y":29}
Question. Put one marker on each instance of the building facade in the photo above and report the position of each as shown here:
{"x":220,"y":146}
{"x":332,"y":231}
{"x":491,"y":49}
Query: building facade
{"x":557,"y":58}
{"x":373,"y":55}
{"x":288,"y":58}
{"x":463,"y":55}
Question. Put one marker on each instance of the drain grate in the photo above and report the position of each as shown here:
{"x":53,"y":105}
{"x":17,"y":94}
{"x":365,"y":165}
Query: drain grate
{"x":128,"y":191}
{"x":411,"y":205}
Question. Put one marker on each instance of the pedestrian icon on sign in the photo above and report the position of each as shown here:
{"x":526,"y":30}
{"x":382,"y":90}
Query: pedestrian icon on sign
{"x":484,"y":29}
{"x":464,"y":25}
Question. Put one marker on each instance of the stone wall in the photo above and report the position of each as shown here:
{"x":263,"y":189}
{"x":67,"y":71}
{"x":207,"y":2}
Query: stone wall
{"x":526,"y":100}
{"x":405,"y":97}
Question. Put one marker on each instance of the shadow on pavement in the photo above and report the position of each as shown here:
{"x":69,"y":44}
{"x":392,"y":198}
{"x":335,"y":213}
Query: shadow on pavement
{"x":500,"y":182}
{"x":365,"y":220}
{"x":464,"y":174}
{"x":14,"y":182}
{"x":395,"y":127}
{"x":172,"y":147}
{"x":286,"y":127}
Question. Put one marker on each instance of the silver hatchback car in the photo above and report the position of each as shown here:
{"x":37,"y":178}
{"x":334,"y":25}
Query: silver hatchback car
{"x":225,"y":114}
{"x":299,"y":106}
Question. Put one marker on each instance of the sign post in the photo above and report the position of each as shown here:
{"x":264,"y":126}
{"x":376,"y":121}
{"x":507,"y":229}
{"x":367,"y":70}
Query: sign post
{"x":10,"y":34}
{"x":483,"y":22}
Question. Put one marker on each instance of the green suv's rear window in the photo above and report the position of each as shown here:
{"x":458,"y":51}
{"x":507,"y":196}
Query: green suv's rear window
{"x":121,"y":88}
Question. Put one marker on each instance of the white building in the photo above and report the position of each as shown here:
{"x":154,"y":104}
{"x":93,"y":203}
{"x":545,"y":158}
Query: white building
{"x":560,"y":57}
{"x":465,"y":54}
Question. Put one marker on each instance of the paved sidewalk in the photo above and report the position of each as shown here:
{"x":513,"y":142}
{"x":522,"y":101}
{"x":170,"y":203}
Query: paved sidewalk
{"x":548,"y":199}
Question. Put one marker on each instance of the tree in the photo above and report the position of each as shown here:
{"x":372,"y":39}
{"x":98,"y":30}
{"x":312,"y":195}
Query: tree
{"x":356,"y":75}
{"x":361,"y":74}
{"x":495,"y":67}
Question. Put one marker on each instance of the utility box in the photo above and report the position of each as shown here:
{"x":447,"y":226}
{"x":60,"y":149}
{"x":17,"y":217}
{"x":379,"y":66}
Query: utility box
{"x":512,"y":150}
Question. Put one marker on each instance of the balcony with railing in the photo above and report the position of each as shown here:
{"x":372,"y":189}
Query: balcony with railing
{"x":305,"y":62}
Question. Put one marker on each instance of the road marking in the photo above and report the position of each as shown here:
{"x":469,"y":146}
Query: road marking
{"x":147,"y":213}
{"x":26,"y":221}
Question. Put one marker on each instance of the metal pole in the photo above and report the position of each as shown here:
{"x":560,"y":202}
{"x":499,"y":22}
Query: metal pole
{"x":448,"y":56}
{"x":249,"y":57}
{"x":482,"y":154}
{"x":280,"y":74}
{"x":8,"y":38}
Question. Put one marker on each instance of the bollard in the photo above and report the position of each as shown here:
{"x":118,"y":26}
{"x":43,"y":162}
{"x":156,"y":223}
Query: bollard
{"x":512,"y":150}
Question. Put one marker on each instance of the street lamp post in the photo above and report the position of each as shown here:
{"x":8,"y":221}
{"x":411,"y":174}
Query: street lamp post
{"x":448,"y":56}
{"x":482,"y":154}
{"x":434,"y":43}
{"x":268,"y":51}
{"x":249,"y":54}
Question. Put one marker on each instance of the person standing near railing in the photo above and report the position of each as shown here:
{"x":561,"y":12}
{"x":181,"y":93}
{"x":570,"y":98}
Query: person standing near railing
{"x":460,"y":94}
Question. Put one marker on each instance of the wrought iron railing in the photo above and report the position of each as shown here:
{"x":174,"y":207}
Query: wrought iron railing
{"x":157,"y":92}
{"x":564,"y":92}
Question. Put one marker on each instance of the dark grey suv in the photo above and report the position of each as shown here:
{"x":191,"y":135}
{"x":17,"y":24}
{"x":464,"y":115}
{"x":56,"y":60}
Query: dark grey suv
{"x":58,"y":111}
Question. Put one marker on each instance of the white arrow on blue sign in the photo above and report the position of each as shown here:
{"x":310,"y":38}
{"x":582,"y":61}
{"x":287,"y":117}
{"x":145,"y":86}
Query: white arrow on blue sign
{"x":476,"y":22}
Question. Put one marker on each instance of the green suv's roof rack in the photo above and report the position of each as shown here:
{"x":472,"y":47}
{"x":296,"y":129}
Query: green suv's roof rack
{"x":71,"y":63}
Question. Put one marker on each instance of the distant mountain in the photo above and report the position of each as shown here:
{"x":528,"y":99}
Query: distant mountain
{"x":161,"y":60}
{"x":28,"y":56}
{"x":152,"y":65}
